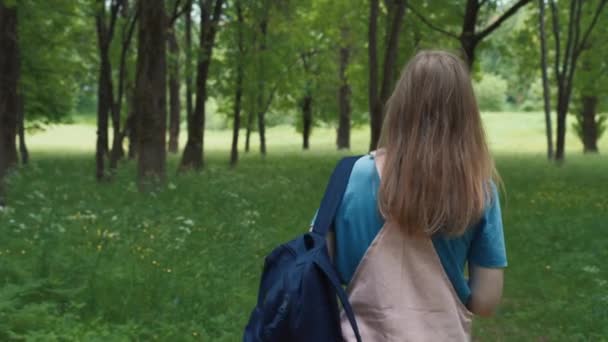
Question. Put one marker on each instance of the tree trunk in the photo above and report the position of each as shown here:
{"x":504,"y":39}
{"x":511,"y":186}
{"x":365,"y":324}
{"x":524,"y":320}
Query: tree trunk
{"x":377,"y":101}
{"x":261,"y":80}
{"x":23,"y":152}
{"x":150,"y":93}
{"x":9,"y":93}
{"x":562,"y":112}
{"x":189,"y":63}
{"x":234,"y":152}
{"x":104,"y":103}
{"x":174,"y":105}
{"x":468,"y":38}
{"x":343,"y":140}
{"x":306,"y":106}
{"x":131,"y":124}
{"x":193,"y":152}
{"x":545,"y":78}
{"x":390,"y":55}
{"x":118,"y":151}
{"x":249,"y":128}
{"x":375,"y":110}
{"x":105,"y":96}
{"x":589,"y":124}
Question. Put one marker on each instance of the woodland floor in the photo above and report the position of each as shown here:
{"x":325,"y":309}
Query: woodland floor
{"x":102,"y":262}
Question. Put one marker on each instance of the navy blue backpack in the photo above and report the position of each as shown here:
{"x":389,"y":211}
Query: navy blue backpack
{"x":297,"y":299}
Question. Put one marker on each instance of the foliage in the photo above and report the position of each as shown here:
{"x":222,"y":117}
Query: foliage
{"x":491,"y":92}
{"x":57,"y":43}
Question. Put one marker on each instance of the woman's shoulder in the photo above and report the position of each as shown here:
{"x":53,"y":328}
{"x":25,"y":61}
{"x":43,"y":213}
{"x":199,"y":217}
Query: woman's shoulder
{"x":364,"y":169}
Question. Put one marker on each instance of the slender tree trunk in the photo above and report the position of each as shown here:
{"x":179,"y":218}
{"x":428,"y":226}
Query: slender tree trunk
{"x":390,"y":55}
{"x":562,"y":112}
{"x":131,"y":124}
{"x":306,"y":106}
{"x":118,"y":151}
{"x":589,"y":124}
{"x":189,"y":63}
{"x":193,"y":152}
{"x":234,"y":152}
{"x":468,"y":38}
{"x":174,"y":105}
{"x":261,"y":89}
{"x":23,"y":152}
{"x":150,"y":93}
{"x":377,"y":100}
{"x":105,"y":96}
{"x":343,"y":140}
{"x":249,"y":128}
{"x":545,"y":78}
{"x":104,"y":103}
{"x":375,"y":110}
{"x":9,"y":93}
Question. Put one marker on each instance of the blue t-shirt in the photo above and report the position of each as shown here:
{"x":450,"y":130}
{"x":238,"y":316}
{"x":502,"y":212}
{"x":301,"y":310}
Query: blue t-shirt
{"x":358,"y":221}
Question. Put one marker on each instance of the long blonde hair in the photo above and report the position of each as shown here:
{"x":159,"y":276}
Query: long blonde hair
{"x":437,"y":168}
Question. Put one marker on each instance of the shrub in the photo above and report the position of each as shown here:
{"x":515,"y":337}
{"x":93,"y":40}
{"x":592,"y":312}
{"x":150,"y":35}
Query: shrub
{"x":491,"y":92}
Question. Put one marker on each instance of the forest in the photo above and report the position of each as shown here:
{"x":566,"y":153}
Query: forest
{"x":153,"y":151}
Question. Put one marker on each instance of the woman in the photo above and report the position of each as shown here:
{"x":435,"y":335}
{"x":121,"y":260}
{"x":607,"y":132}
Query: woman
{"x":420,"y":209}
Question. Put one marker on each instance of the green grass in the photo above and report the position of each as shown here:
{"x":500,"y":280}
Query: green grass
{"x":102,"y":262}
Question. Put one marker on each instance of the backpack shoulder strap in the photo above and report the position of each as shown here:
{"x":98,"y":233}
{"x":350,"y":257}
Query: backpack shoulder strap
{"x":333,"y":195}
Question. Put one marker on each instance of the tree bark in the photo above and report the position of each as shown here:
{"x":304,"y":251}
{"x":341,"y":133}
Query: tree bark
{"x":390,"y":55}
{"x":105,"y":96}
{"x":150,"y":93}
{"x":131,"y":123}
{"x":193,"y":152}
{"x":377,"y":101}
{"x":261,"y":79}
{"x":249,"y":128}
{"x":545,"y":79}
{"x":306,"y":106}
{"x":189,"y":63}
{"x":104,"y":103}
{"x":589,"y":124}
{"x":468,"y":38}
{"x":375,"y":110}
{"x":118,"y":138}
{"x":234,"y":152}
{"x":9,"y":93}
{"x":23,"y":152}
{"x":343,"y":140}
{"x":174,"y":103}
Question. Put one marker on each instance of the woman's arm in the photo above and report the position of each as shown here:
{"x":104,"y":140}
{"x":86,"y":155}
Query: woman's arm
{"x":486,"y":289}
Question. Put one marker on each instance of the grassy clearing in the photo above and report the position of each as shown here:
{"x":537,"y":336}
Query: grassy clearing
{"x":83,"y":261}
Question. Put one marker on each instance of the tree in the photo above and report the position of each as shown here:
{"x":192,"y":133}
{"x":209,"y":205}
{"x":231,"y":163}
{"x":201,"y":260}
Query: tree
{"x":105,"y":97}
{"x":238,"y":92}
{"x":377,"y":100}
{"x":261,"y":75}
{"x":545,"y":78}
{"x":9,"y":94}
{"x":174,"y":83}
{"x":193,"y":152}
{"x":188,"y":42}
{"x":150,"y":92}
{"x":129,"y":17}
{"x":565,"y":62}
{"x":590,"y":83}
{"x":344,"y":93}
{"x":470,"y":35}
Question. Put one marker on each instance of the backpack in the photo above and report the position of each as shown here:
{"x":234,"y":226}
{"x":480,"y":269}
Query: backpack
{"x":297,"y":299}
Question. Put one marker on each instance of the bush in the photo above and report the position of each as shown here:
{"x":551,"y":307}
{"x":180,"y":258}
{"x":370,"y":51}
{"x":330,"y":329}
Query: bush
{"x":491,"y":92}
